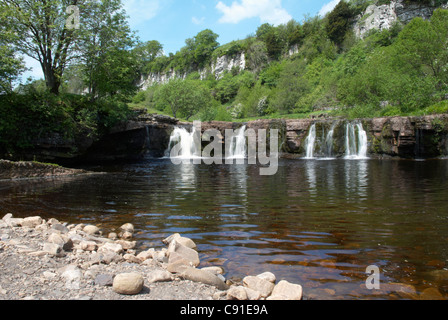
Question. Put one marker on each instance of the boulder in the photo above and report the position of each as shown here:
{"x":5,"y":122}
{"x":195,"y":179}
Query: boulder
{"x":62,"y":240}
{"x":159,"y":276}
{"x":255,"y":283}
{"x":268,"y":276}
{"x":237,"y":293}
{"x":53,"y":249}
{"x":32,"y":222}
{"x":177,"y":251}
{"x":60,"y":227}
{"x":197,"y":275}
{"x":127,"y":245}
{"x":112,"y":247}
{"x":286,"y":291}
{"x":145,"y":255}
{"x":129,"y":227}
{"x":88,"y":245}
{"x":128,"y":283}
{"x":92,"y":230}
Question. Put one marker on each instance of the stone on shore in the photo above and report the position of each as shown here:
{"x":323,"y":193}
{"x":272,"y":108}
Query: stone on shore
{"x":255,"y":283}
{"x":286,"y":291}
{"x":145,"y":255}
{"x":32,"y":222}
{"x":268,"y":276}
{"x":187,"y":242}
{"x":198,"y":275}
{"x":177,"y":252}
{"x":129,"y":227}
{"x":237,"y":293}
{"x":63,"y":241}
{"x":88,"y":245}
{"x":92,"y":230}
{"x":112,"y":247}
{"x":59,"y":227}
{"x":53,"y":249}
{"x":128,"y":283}
{"x":159,"y":276}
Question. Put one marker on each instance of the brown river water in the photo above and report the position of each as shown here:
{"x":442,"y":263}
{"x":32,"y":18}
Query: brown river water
{"x":318,"y":223}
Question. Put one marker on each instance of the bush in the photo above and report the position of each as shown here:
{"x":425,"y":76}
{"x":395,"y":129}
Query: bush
{"x":438,"y":108}
{"x":31,"y":115}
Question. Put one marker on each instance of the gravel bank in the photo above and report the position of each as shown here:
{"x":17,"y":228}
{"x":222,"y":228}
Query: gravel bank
{"x":50,"y":260}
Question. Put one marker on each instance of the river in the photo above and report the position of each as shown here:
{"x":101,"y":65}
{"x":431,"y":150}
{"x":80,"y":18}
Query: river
{"x":318,"y":223}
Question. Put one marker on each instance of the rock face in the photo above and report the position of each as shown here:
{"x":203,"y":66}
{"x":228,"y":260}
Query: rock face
{"x":217,"y":68}
{"x":405,"y":137}
{"x":384,"y":16}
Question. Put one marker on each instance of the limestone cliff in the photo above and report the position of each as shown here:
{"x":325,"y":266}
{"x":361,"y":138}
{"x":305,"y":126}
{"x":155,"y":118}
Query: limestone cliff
{"x":382,"y":17}
{"x":217,"y":68}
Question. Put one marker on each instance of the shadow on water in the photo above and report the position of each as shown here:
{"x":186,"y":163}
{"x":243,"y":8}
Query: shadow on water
{"x":317,"y":223}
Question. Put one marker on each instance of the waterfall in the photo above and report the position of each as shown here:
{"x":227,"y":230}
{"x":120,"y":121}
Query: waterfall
{"x":355,"y":141}
{"x":329,"y":141}
{"x":310,"y":142}
{"x":185,"y":139}
{"x":238,"y":147}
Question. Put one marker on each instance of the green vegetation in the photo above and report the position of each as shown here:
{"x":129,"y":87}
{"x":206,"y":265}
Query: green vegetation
{"x":400,"y":71}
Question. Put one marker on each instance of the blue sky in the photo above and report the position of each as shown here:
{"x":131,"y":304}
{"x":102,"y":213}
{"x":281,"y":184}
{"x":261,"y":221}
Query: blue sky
{"x":171,"y":22}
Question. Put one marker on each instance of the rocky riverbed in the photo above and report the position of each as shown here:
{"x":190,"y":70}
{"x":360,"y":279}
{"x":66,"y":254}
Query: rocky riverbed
{"x":53,"y":260}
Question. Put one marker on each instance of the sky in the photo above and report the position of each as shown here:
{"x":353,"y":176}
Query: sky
{"x":171,"y":22}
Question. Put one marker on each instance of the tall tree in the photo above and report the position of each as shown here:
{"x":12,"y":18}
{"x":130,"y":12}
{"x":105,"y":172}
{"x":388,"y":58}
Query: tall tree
{"x":147,"y":52}
{"x":44,"y":34}
{"x":105,"y":45}
{"x":339,"y":22}
{"x":11,"y":66}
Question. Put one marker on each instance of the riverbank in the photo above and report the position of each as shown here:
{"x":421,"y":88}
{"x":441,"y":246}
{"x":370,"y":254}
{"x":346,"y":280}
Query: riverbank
{"x":52,"y":260}
{"x":10,"y":170}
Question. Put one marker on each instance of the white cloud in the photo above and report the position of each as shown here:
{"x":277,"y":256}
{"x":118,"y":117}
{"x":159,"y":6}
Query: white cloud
{"x":197,"y":21}
{"x":270,"y":11}
{"x":141,"y":10}
{"x":328,"y":7}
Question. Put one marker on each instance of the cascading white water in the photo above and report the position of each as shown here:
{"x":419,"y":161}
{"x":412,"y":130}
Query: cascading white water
{"x":188,"y":148}
{"x":310,"y":142}
{"x":238,"y":146}
{"x":355,"y":141}
{"x":329,"y":141}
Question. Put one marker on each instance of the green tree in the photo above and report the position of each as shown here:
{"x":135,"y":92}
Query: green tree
{"x":203,"y":45}
{"x":422,"y":47}
{"x":11,"y":66}
{"x":146,"y":53}
{"x":109,"y":65}
{"x":183,"y":98}
{"x":339,"y":22}
{"x":43,"y":34}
